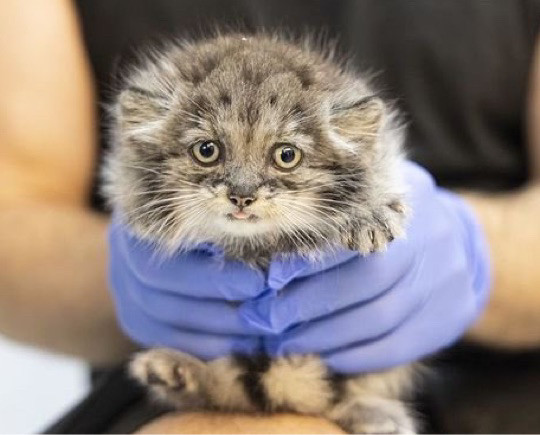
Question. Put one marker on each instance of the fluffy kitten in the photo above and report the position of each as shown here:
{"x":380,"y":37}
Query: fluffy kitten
{"x":260,"y":146}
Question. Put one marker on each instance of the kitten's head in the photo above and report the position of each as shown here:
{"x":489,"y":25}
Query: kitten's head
{"x":245,"y":141}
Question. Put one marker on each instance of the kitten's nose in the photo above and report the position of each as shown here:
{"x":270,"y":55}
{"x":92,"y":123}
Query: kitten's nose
{"x":242,"y":201}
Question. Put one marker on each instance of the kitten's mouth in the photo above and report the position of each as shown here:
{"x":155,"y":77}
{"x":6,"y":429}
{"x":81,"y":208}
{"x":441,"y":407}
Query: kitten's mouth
{"x":242,"y":216}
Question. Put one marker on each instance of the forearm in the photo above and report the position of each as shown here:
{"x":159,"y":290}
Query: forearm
{"x":512,"y":225}
{"x":239,"y":423}
{"x":53,"y":290}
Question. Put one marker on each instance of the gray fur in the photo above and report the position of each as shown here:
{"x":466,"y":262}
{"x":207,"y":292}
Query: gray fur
{"x":248,"y":94}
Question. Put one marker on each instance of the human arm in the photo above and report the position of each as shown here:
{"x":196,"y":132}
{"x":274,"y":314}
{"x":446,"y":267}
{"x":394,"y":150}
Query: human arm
{"x":215,"y":422}
{"x":512,"y":224}
{"x":511,"y":221}
{"x":53,"y":291}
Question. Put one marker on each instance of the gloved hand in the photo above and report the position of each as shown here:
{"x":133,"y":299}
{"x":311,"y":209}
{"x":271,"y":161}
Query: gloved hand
{"x":386,"y":309}
{"x":361,"y":313}
{"x":182,"y":302}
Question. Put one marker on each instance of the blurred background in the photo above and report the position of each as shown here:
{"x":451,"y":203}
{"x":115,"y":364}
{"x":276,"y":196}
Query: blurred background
{"x":36,"y":387}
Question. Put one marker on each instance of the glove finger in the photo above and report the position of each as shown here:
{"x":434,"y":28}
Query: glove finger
{"x":198,"y":273}
{"x":360,"y":322}
{"x":386,"y":313}
{"x":150,"y":333}
{"x":206,"y":316}
{"x":284,"y":269}
{"x":354,"y":282}
{"x":448,"y":313}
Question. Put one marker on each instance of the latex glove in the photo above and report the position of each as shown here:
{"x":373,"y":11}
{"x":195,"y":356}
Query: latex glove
{"x":362,"y":313}
{"x":184,"y":301}
{"x":190,"y":301}
{"x":386,"y":309}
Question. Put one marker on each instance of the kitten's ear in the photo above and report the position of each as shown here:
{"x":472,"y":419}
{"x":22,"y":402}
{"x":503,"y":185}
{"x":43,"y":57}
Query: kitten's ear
{"x":140,"y":113}
{"x":138,"y":104}
{"x":359,"y":121}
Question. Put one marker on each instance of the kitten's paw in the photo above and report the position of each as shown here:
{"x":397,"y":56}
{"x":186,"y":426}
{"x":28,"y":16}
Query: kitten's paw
{"x":171,"y":375}
{"x":379,"y":417}
{"x":373,"y":233}
{"x":382,"y":424}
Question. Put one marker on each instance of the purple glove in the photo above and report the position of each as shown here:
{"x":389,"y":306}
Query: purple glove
{"x":386,"y":309}
{"x":189,"y":301}
{"x":182,"y":302}
{"x":361,"y":313}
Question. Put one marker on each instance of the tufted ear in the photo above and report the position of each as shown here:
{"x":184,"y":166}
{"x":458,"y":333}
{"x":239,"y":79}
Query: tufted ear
{"x":138,"y":104}
{"x":140,"y":113}
{"x":360,"y":121}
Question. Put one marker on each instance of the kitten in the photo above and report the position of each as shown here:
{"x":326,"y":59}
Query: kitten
{"x":260,"y":146}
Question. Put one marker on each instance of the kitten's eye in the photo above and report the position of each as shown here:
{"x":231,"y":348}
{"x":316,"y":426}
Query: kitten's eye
{"x":287,"y":156}
{"x":206,"y":152}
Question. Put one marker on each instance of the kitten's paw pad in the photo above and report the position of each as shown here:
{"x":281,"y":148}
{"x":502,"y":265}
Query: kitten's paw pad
{"x":377,"y":416}
{"x":386,"y":426}
{"x":162,"y":369}
{"x":376,"y":231}
{"x":176,"y":381}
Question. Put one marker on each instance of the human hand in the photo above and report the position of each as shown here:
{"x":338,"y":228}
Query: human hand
{"x":186,"y":301}
{"x":406,"y":303}
{"x":189,"y":301}
{"x":386,"y":309}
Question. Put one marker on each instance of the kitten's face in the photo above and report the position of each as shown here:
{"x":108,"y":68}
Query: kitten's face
{"x":256,"y":159}
{"x":250,"y":153}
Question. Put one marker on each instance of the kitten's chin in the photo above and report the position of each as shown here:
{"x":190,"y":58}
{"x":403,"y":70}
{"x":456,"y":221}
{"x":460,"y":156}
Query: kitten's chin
{"x":243,"y":227}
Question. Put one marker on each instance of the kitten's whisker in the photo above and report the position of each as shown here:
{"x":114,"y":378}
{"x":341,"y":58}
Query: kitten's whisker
{"x":158,"y":202}
{"x":142,"y":168}
{"x":149,"y":192}
{"x":326,"y":209}
{"x":300,"y":223}
{"x":321,"y":199}
{"x":291,"y":231}
{"x":157,"y":210}
{"x":165,"y":222}
{"x":335,"y":184}
{"x":303,"y":211}
{"x":180,"y":213}
{"x":306,"y":211}
{"x":314,"y":204}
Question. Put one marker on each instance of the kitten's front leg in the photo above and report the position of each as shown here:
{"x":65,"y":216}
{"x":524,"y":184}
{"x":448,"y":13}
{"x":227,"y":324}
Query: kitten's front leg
{"x":373,"y":415}
{"x":189,"y":383}
{"x":374,"y":403}
{"x":371,"y":232}
{"x":173,"y":377}
{"x":240,"y":383}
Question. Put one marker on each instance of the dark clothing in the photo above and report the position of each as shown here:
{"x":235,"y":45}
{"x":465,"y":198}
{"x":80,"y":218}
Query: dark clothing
{"x":458,"y":69}
{"x":116,"y":404}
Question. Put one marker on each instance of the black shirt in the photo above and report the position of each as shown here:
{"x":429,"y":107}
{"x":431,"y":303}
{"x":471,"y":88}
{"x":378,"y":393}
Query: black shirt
{"x":458,"y":69}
